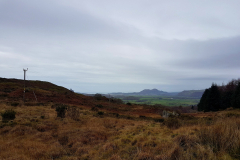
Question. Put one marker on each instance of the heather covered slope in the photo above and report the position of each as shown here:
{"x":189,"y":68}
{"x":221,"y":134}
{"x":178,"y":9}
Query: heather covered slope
{"x":12,"y":89}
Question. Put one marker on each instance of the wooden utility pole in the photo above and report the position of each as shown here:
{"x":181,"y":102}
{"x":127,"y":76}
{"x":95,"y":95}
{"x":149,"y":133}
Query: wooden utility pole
{"x":24,"y":70}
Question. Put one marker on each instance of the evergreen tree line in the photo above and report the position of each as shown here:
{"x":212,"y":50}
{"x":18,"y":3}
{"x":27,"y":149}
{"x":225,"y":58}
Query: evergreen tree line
{"x":220,"y":97}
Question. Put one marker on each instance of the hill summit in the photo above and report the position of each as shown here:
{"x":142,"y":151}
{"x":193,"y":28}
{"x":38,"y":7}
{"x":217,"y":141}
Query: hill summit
{"x":152,"y":92}
{"x":39,"y":91}
{"x":146,"y":92}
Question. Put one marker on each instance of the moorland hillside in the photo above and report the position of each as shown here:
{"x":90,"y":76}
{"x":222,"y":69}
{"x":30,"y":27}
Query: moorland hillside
{"x":43,"y":93}
{"x":70,"y":126}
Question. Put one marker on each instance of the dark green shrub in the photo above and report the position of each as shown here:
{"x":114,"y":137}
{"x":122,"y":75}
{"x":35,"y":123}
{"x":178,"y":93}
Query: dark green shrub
{"x":99,"y":106}
{"x":186,"y":117}
{"x":98,"y":96}
{"x":40,"y":104}
{"x":55,"y":106}
{"x":116,"y":114}
{"x":129,"y":103}
{"x":8,"y":115}
{"x":232,"y":114}
{"x":142,"y":116}
{"x":129,"y":117}
{"x":159,"y":120}
{"x":100,"y":113}
{"x":61,"y":110}
{"x":3,"y":95}
{"x":116,"y":100}
{"x":30,"y":104}
{"x":94,"y":109}
{"x":14,"y":104}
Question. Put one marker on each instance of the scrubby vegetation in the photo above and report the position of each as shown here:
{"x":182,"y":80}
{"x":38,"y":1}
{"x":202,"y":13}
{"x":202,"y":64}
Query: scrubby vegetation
{"x":61,"y":111}
{"x":100,"y":135}
{"x":8,"y":115}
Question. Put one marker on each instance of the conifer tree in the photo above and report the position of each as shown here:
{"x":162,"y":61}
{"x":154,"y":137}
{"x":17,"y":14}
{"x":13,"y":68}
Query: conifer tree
{"x":202,"y":103}
{"x":226,"y":99}
{"x":236,"y":97}
{"x":213,"y":101}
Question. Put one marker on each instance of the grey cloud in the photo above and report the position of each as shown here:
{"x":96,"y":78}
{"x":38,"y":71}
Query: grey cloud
{"x":107,"y":46}
{"x":173,"y":19}
{"x":211,"y":54}
{"x":52,"y":19}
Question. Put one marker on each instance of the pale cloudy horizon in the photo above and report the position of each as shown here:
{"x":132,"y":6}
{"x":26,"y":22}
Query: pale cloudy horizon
{"x":121,"y":46}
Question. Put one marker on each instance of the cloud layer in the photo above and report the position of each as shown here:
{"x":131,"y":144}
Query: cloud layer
{"x":111,"y":46}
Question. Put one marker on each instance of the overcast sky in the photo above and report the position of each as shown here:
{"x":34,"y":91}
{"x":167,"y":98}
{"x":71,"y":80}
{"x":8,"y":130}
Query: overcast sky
{"x":121,"y":46}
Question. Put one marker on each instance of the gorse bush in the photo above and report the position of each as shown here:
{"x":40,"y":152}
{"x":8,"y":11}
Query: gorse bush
{"x":8,"y":115}
{"x":98,"y":96}
{"x":94,"y":109}
{"x":100,"y":113}
{"x":99,"y":106}
{"x":116,"y":100}
{"x":61,"y":111}
{"x":14,"y":104}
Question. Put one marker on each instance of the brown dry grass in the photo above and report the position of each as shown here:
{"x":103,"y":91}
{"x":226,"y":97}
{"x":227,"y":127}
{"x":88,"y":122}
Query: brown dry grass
{"x":37,"y":133}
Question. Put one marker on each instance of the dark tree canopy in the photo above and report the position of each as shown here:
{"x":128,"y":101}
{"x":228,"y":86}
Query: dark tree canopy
{"x":221,"y":97}
{"x":213,"y":99}
{"x":202,"y":103}
{"x":236,"y":97}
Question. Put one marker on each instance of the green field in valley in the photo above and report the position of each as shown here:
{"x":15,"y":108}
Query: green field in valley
{"x":166,"y":101}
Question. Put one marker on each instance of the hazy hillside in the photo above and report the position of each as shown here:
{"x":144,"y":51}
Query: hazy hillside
{"x":152,"y":92}
{"x":147,"y":92}
{"x":191,"y":93}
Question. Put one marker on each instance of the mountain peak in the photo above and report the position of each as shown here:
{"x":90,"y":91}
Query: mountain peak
{"x":151,"y":92}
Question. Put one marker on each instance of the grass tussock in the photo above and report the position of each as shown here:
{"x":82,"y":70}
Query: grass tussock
{"x":223,"y":136}
{"x":37,"y":133}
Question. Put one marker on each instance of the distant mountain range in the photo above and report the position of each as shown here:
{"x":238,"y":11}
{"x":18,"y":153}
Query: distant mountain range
{"x":156,"y":92}
{"x":191,"y":93}
{"x":147,"y":92}
{"x":152,"y":92}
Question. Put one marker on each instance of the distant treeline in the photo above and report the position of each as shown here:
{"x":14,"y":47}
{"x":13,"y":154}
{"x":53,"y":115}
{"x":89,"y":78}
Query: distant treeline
{"x":221,"y":97}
